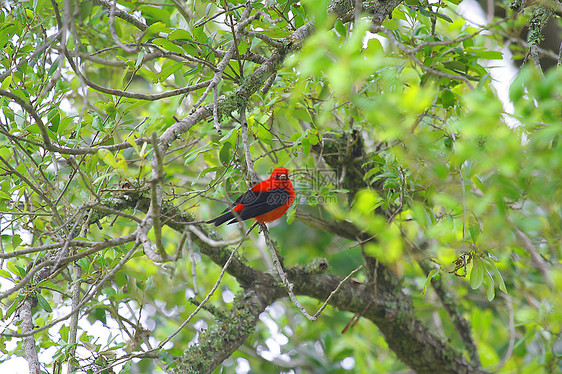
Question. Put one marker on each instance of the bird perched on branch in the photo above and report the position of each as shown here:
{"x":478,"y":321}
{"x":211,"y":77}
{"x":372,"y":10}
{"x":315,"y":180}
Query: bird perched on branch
{"x":265,"y":202}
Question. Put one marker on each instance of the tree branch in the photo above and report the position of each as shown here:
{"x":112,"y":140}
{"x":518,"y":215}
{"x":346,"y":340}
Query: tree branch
{"x":29,"y":345}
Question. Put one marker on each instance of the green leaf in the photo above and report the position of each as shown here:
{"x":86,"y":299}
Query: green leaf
{"x":5,"y":274}
{"x":370,"y":173}
{"x":291,"y":214}
{"x":98,"y":314}
{"x":140,"y":58}
{"x":18,"y":270}
{"x":64,"y":124}
{"x":191,"y":156}
{"x":14,"y":305}
{"x":16,"y":240}
{"x":131,"y":140}
{"x":432,"y":274}
{"x":6,"y":82}
{"x":263,"y":134}
{"x":179,"y":34}
{"x":121,"y":279}
{"x":490,"y":55}
{"x":225,"y":153}
{"x":44,"y":303}
{"x":54,"y":119}
{"x":305,"y":146}
{"x":474,"y":228}
{"x":153,"y":14}
{"x":477,"y":273}
{"x":167,"y":71}
{"x":152,"y":30}
{"x":478,"y":183}
{"x":63,"y":332}
{"x":168,"y":45}
{"x":135,"y":274}
{"x":108,"y":158}
{"x":340,"y":28}
{"x":491,"y":266}
{"x":490,"y":291}
{"x":456,"y":66}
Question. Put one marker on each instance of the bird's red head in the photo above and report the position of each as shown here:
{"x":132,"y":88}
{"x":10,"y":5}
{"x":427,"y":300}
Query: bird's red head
{"x":280,"y":174}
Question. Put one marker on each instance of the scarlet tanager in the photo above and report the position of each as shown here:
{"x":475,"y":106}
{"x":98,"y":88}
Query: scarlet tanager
{"x":265,"y":202}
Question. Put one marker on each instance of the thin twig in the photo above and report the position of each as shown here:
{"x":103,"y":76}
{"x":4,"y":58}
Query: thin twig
{"x":224,"y":62}
{"x":336,"y":290}
{"x":127,"y":16}
{"x":192,"y":260}
{"x":30,"y":57}
{"x":97,"y":246}
{"x":534,"y":53}
{"x":113,"y":32}
{"x":211,"y":242}
{"x":96,"y":289}
{"x":537,"y":260}
{"x":463,"y":201}
{"x":269,"y":82}
{"x":216,"y":110}
{"x":29,"y":109}
{"x":38,"y":191}
{"x":156,"y":195}
{"x":511,"y":327}
{"x":246,"y":19}
{"x":216,"y":285}
{"x":410,"y":52}
{"x":205,"y":20}
{"x":246,"y":144}
{"x":73,"y":329}
{"x":267,"y":39}
{"x":286,"y":284}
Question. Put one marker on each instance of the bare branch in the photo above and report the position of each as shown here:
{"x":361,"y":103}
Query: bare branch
{"x":30,"y":348}
{"x":538,"y":262}
{"x":35,"y":189}
{"x":94,"y":292}
{"x":269,"y":83}
{"x":286,"y":284}
{"x":97,"y":246}
{"x":211,"y":242}
{"x":246,"y":19}
{"x":511,"y":327}
{"x":123,"y":15}
{"x":211,"y":292}
{"x":205,"y":20}
{"x":268,"y":40}
{"x":73,"y":326}
{"x":336,"y":290}
{"x":216,"y":110}
{"x":140,"y":96}
{"x":113,"y":32}
{"x":246,"y":144}
{"x":156,"y":195}
{"x":192,"y":260}
{"x":29,"y":109}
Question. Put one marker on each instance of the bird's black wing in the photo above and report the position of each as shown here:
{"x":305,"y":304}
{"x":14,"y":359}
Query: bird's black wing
{"x":255,"y":204}
{"x":262,"y":202}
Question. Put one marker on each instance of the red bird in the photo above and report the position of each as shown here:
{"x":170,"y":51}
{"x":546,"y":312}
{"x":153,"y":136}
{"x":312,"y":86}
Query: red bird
{"x":265,"y":202}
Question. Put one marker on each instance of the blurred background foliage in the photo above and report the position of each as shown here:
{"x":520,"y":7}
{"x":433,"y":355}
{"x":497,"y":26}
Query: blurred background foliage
{"x":474,"y":180}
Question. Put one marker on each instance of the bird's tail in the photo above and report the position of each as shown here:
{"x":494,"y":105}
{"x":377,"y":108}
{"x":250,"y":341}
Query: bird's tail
{"x":222,"y":219}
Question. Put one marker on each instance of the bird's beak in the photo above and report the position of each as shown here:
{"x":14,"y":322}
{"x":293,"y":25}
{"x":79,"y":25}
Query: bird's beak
{"x":283,"y":177}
